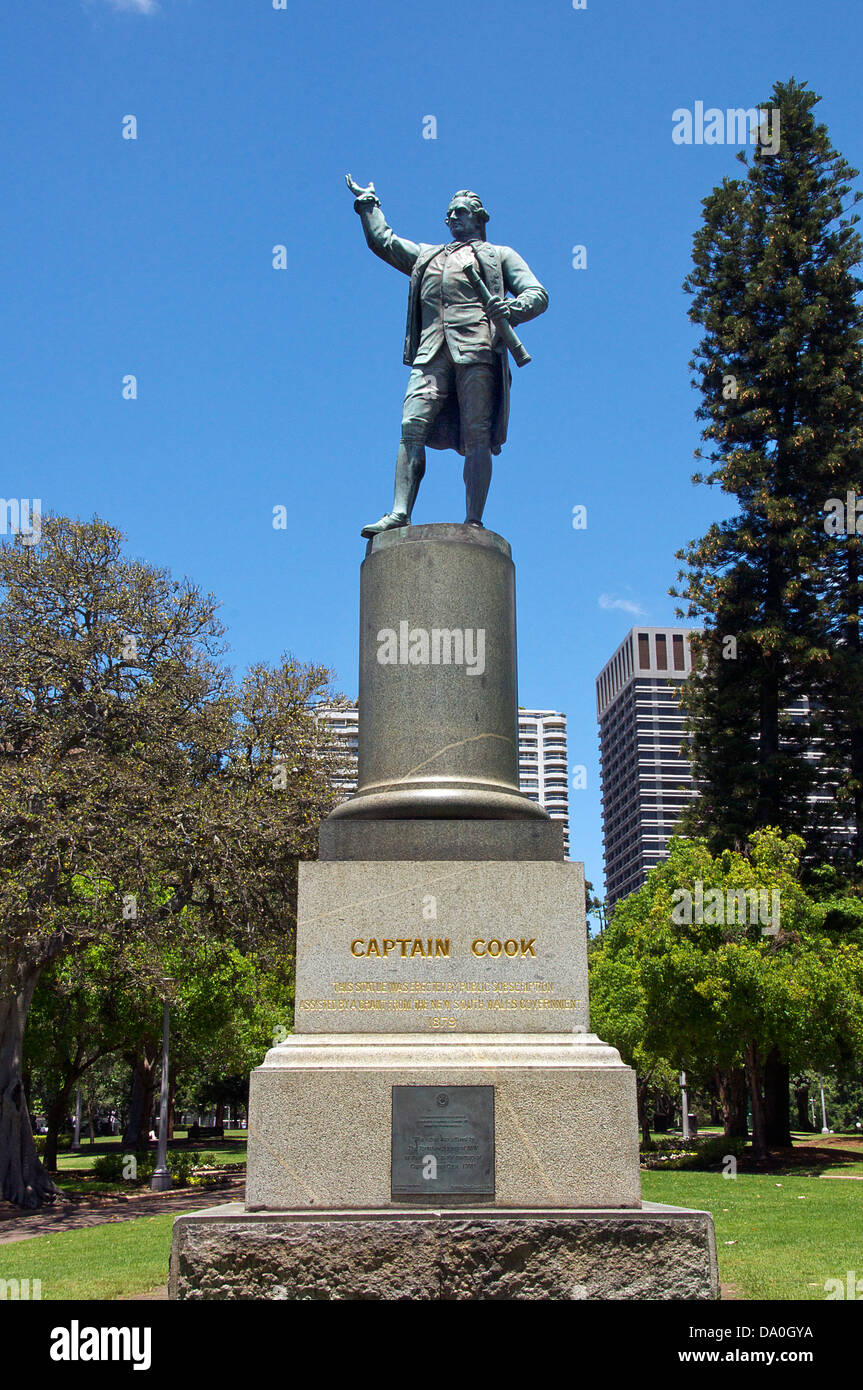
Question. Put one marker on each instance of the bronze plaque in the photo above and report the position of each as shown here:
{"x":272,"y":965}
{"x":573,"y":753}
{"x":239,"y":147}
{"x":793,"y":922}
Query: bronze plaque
{"x":443,"y":1141}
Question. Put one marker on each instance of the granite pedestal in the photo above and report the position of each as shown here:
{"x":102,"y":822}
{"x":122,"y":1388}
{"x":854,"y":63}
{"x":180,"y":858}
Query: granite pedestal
{"x":657,"y":1253}
{"x":442,"y":1123}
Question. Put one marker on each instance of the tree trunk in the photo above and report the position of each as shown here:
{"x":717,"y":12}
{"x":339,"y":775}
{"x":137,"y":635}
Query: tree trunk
{"x":854,"y":643}
{"x":731,"y":1084}
{"x":801,"y":1100}
{"x":58,"y":1112}
{"x":777,"y":1080}
{"x":641,"y":1085}
{"x":137,"y":1134}
{"x":23,"y":1180}
{"x":759,"y":1118}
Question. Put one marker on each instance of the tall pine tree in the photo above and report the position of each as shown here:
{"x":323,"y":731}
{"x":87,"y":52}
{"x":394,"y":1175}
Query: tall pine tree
{"x":780,"y":371}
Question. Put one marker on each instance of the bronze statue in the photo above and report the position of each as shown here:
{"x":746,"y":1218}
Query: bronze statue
{"x":460,"y":324}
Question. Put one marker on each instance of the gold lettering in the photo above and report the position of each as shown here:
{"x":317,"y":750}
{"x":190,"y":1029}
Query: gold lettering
{"x":358,"y":942}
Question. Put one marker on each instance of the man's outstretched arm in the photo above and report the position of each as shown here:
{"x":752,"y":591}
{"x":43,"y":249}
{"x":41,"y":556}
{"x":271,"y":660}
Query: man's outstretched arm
{"x":381,"y":238}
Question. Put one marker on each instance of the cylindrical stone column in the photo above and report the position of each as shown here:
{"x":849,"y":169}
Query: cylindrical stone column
{"x":438,"y":702}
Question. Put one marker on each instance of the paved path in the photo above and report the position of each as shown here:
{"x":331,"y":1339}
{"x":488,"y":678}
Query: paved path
{"x":77,"y":1212}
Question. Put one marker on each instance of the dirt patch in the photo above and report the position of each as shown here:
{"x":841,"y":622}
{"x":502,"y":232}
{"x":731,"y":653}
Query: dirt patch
{"x":730,"y":1293}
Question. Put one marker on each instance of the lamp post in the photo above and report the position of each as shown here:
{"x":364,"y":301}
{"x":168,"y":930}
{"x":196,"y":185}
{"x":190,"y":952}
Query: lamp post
{"x":824,"y":1129}
{"x":685,"y":1104}
{"x":161,"y":1179}
{"x":76,"y":1140}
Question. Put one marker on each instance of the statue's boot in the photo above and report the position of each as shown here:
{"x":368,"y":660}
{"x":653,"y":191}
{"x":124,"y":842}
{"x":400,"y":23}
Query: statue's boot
{"x":386,"y":523}
{"x":477,"y":477}
{"x":410,"y":467}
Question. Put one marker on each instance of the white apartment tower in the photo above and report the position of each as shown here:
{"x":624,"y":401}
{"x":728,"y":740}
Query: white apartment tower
{"x":542,"y":756}
{"x":542,"y":763}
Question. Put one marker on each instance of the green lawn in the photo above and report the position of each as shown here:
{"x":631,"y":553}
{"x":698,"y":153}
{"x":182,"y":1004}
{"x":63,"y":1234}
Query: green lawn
{"x":220,"y":1153}
{"x":74,"y":1176}
{"x":777,"y":1235}
{"x":99,"y":1262}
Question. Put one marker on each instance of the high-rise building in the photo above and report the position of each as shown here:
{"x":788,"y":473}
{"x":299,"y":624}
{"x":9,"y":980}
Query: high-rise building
{"x":542,"y":763}
{"x":646,"y":777}
{"x":344,"y":721}
{"x":542,"y":756}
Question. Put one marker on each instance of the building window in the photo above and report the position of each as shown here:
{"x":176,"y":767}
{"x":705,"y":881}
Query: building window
{"x":661,"y":652}
{"x":677,"y":649}
{"x":643,"y":651}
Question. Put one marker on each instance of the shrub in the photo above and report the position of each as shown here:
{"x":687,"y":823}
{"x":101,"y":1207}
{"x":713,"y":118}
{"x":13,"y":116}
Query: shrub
{"x":115,"y":1167}
{"x":109,"y":1167}
{"x":182,"y":1162}
{"x":708,"y":1151}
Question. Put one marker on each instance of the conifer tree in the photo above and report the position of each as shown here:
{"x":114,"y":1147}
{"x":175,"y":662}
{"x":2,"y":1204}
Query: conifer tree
{"x":780,"y":372}
{"x":781,"y":379}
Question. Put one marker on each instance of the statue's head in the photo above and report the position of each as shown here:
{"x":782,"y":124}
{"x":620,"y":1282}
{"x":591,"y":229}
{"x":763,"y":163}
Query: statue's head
{"x":466,"y":217}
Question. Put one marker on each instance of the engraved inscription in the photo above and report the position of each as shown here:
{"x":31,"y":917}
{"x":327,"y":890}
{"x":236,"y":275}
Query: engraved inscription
{"x":443,"y":1001}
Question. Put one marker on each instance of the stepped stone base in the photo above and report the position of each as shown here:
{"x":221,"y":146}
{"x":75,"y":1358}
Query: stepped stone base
{"x":655,"y":1253}
{"x":320,"y":1118}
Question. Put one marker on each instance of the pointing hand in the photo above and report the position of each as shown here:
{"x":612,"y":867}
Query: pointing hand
{"x":360,"y":192}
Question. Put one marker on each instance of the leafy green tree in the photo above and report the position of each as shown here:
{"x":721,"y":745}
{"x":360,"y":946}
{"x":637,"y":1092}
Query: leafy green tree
{"x":618,"y":1014}
{"x":721,"y":991}
{"x":143,"y":792}
{"x":79,"y":1015}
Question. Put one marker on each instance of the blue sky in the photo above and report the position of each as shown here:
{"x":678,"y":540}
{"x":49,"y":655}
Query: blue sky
{"x":259,"y":387}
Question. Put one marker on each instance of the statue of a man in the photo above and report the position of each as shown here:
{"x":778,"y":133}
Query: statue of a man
{"x":458,"y":392}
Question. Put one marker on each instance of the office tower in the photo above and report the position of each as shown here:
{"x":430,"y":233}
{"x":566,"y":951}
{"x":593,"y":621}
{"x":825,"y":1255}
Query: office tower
{"x":646,"y":778}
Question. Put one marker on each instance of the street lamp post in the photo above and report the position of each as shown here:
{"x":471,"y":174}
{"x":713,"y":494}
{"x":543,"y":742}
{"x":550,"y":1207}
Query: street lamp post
{"x":685,"y":1103}
{"x":76,"y":1141}
{"x":824,"y":1129}
{"x":161,"y":1179}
